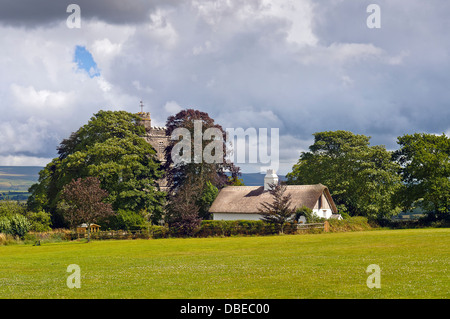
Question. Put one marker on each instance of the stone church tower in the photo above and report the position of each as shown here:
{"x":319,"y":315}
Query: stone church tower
{"x":155,"y":135}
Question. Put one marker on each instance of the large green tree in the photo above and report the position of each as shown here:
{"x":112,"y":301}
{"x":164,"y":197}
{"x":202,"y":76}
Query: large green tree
{"x":362,"y":178}
{"x":110,"y":146}
{"x":425,"y":170}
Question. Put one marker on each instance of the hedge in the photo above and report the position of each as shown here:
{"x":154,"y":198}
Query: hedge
{"x":356,"y":223}
{"x":209,"y":228}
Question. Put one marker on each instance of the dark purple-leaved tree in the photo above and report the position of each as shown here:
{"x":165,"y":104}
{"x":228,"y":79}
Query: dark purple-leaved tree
{"x":82,"y":202}
{"x":191,"y":180}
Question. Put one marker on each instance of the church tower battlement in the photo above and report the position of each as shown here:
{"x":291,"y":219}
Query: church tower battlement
{"x":155,"y":135}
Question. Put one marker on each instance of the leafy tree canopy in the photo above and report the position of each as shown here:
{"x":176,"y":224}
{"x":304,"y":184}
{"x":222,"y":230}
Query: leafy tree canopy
{"x":82,"y":202}
{"x":201,"y":171}
{"x":425,"y":170}
{"x":110,"y":147}
{"x":362,"y":178}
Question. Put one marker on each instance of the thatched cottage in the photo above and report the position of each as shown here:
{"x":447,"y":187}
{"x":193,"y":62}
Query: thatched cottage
{"x":242,"y":202}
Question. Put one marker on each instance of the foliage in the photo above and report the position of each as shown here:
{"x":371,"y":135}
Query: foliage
{"x":5,"y":225}
{"x":158,"y":231}
{"x":277,"y":212}
{"x":206,"y":199}
{"x":19,"y":225}
{"x":198,"y":170}
{"x":235,"y":181}
{"x":207,"y":176}
{"x":182,"y":210}
{"x":194,"y":183}
{"x":127,"y":220}
{"x":362,"y":179}
{"x":308,"y":214}
{"x":110,"y":147}
{"x":425,"y":171}
{"x":9,"y":208}
{"x":82,"y":202}
{"x":40,"y":221}
{"x":357,"y":223}
{"x":239,"y":227}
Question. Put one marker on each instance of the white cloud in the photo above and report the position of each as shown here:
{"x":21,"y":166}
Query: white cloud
{"x":17,"y":160}
{"x":302,"y":66}
{"x":172,"y":107}
{"x":40,"y":100}
{"x":298,"y":16}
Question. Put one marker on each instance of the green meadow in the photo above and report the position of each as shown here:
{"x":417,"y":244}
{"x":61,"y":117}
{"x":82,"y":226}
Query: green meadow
{"x":414,"y":263}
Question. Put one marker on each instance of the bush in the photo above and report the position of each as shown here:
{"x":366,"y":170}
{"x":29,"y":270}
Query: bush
{"x":19,"y":225}
{"x":239,"y":227}
{"x":158,"y":231}
{"x":5,"y":225}
{"x":10,"y":208}
{"x":357,"y":223}
{"x":40,"y":221}
{"x":309,"y":215}
{"x":127,"y":220}
{"x":16,"y":225}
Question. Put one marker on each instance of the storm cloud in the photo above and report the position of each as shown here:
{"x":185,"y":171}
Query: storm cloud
{"x":300,"y":66}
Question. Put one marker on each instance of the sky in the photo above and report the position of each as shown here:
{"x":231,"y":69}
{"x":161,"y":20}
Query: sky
{"x":301,"y":66}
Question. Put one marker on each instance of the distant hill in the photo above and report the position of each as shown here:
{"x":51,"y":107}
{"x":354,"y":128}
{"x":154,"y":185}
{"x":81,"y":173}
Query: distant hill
{"x":257,"y":179}
{"x":29,"y":173}
{"x":15,"y":180}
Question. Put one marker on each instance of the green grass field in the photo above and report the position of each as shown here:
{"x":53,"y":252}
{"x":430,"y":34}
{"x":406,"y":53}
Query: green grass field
{"x":414,"y":264}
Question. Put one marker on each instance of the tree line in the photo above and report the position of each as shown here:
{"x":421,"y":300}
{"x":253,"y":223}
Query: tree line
{"x":372,"y":181}
{"x":108,"y":161}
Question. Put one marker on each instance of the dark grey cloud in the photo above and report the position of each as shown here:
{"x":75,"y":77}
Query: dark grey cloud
{"x":32,"y":13}
{"x":382,"y":83}
{"x":246,"y":63}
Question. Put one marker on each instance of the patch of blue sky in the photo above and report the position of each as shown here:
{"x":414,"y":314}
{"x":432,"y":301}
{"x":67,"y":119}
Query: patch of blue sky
{"x":84,"y":60}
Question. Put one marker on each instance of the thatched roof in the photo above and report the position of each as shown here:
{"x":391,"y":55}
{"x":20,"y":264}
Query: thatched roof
{"x":247,"y":199}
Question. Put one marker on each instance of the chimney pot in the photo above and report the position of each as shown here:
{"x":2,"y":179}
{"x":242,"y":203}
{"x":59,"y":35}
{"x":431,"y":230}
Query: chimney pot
{"x":270,"y":178}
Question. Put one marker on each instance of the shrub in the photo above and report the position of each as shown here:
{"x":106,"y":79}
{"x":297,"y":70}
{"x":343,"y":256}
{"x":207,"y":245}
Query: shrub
{"x":127,"y":220}
{"x":40,"y":221}
{"x":10,"y":208}
{"x":308,"y":213}
{"x":19,"y":225}
{"x":5,"y":225}
{"x":357,"y":223}
{"x":158,"y":231}
{"x":240,"y":227}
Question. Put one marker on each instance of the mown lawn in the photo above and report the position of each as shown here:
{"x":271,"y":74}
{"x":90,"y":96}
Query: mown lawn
{"x":414,"y":264}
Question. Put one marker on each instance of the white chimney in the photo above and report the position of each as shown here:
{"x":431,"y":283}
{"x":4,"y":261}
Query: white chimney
{"x":270,"y":178}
